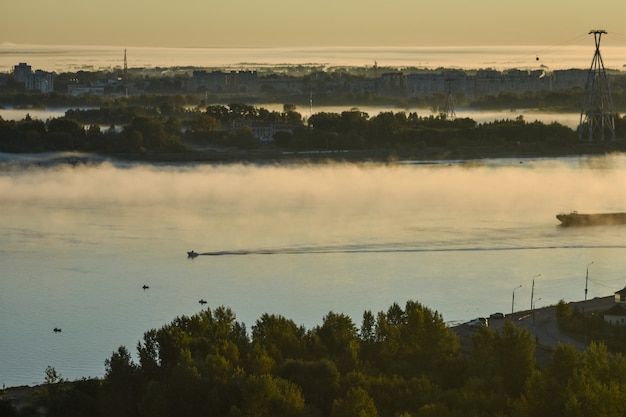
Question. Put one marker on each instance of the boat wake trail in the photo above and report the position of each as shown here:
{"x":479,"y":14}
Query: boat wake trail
{"x":389,"y":248}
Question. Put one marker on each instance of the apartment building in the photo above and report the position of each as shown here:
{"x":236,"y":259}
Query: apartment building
{"x":39,"y":80}
{"x":219,"y":82}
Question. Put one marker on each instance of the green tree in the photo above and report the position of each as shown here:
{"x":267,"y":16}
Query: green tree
{"x":319,"y":381}
{"x":220,"y":113}
{"x":52,"y":376}
{"x":203,"y":124}
{"x":328,"y":122}
{"x":173,"y":126}
{"x":356,"y":403}
{"x":577,"y":384}
{"x":293,"y":117}
{"x":368,"y":333}
{"x":128,"y":141}
{"x":244,"y":139}
{"x":507,"y":358}
{"x":353,"y":121}
{"x":152,"y":132}
{"x":546,"y":390}
{"x":65,"y":134}
{"x":280,"y":338}
{"x":339,"y":336}
{"x":122,"y":387}
{"x":241,"y":111}
{"x":283,"y":139}
{"x":259,"y":360}
{"x":268,"y":396}
{"x":413,"y":339}
{"x":563,"y":311}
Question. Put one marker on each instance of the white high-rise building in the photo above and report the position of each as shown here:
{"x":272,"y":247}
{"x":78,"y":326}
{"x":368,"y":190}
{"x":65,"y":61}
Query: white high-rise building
{"x":39,"y":80}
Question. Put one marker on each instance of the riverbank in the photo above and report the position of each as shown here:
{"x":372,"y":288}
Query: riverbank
{"x":543,"y":324}
{"x":434,"y":154}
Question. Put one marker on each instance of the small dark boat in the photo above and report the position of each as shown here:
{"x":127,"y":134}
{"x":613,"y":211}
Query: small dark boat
{"x":57,"y":330}
{"x":579,"y":219}
{"x":192,"y":254}
{"x":202,"y":301}
{"x":145,"y":287}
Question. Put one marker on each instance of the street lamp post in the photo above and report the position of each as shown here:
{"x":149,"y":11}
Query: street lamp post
{"x":587,"y":280}
{"x":533,"y":309}
{"x":513,"y":298}
{"x":532,"y":291}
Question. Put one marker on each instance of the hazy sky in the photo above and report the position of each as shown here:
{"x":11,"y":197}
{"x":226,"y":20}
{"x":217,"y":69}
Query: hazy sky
{"x":275,"y":23}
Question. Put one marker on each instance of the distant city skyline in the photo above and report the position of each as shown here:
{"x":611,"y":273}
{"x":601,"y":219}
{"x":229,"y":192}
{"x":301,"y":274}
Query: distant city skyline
{"x":278,"y":23}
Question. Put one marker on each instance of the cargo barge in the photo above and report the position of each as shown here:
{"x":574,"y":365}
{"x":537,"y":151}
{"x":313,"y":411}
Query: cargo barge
{"x":579,"y":219}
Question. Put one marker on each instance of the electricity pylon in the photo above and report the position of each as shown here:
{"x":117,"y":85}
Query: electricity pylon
{"x":449,"y":113}
{"x":596,"y":115}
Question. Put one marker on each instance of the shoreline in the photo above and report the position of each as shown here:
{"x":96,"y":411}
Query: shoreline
{"x":542,"y":323}
{"x":545,"y":327}
{"x":464,"y":154}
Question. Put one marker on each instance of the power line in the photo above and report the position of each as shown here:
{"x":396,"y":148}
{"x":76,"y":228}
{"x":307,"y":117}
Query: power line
{"x":605,"y":286}
{"x":536,"y":55}
{"x":619,"y":37}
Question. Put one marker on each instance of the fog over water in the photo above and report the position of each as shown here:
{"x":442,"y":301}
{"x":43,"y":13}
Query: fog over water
{"x":79,"y":242}
{"x":561,"y":55}
{"x":492,"y":186}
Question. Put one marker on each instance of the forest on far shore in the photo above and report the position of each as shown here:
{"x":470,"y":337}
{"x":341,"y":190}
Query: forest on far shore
{"x":402,"y":362}
{"x":124,"y":128}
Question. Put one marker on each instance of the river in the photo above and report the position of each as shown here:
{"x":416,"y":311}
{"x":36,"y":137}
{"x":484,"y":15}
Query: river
{"x":79,"y":242}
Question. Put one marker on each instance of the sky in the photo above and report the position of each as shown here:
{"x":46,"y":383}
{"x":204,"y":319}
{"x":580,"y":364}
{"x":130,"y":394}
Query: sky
{"x":281,"y":23}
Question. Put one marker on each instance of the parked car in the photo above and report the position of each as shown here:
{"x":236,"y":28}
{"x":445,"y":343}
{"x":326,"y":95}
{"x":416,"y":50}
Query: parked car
{"x":479,"y":322}
{"x":496,"y":316}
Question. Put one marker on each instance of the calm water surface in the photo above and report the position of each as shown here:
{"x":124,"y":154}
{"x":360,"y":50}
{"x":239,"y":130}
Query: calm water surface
{"x":78,"y":243}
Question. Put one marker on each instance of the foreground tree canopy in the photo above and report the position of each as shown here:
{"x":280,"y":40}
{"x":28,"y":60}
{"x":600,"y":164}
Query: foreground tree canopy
{"x":401,"y":362}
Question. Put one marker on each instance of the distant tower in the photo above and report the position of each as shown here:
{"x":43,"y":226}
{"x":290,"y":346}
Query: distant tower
{"x":449,"y":112}
{"x":596,"y":114}
{"x":125,"y":67}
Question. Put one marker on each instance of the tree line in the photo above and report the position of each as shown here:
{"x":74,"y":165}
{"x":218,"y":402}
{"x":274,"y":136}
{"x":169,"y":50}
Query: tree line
{"x":402,"y":362}
{"x":171,"y":127}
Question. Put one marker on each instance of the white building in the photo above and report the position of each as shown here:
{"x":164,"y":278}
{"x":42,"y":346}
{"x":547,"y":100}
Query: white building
{"x":39,"y":80}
